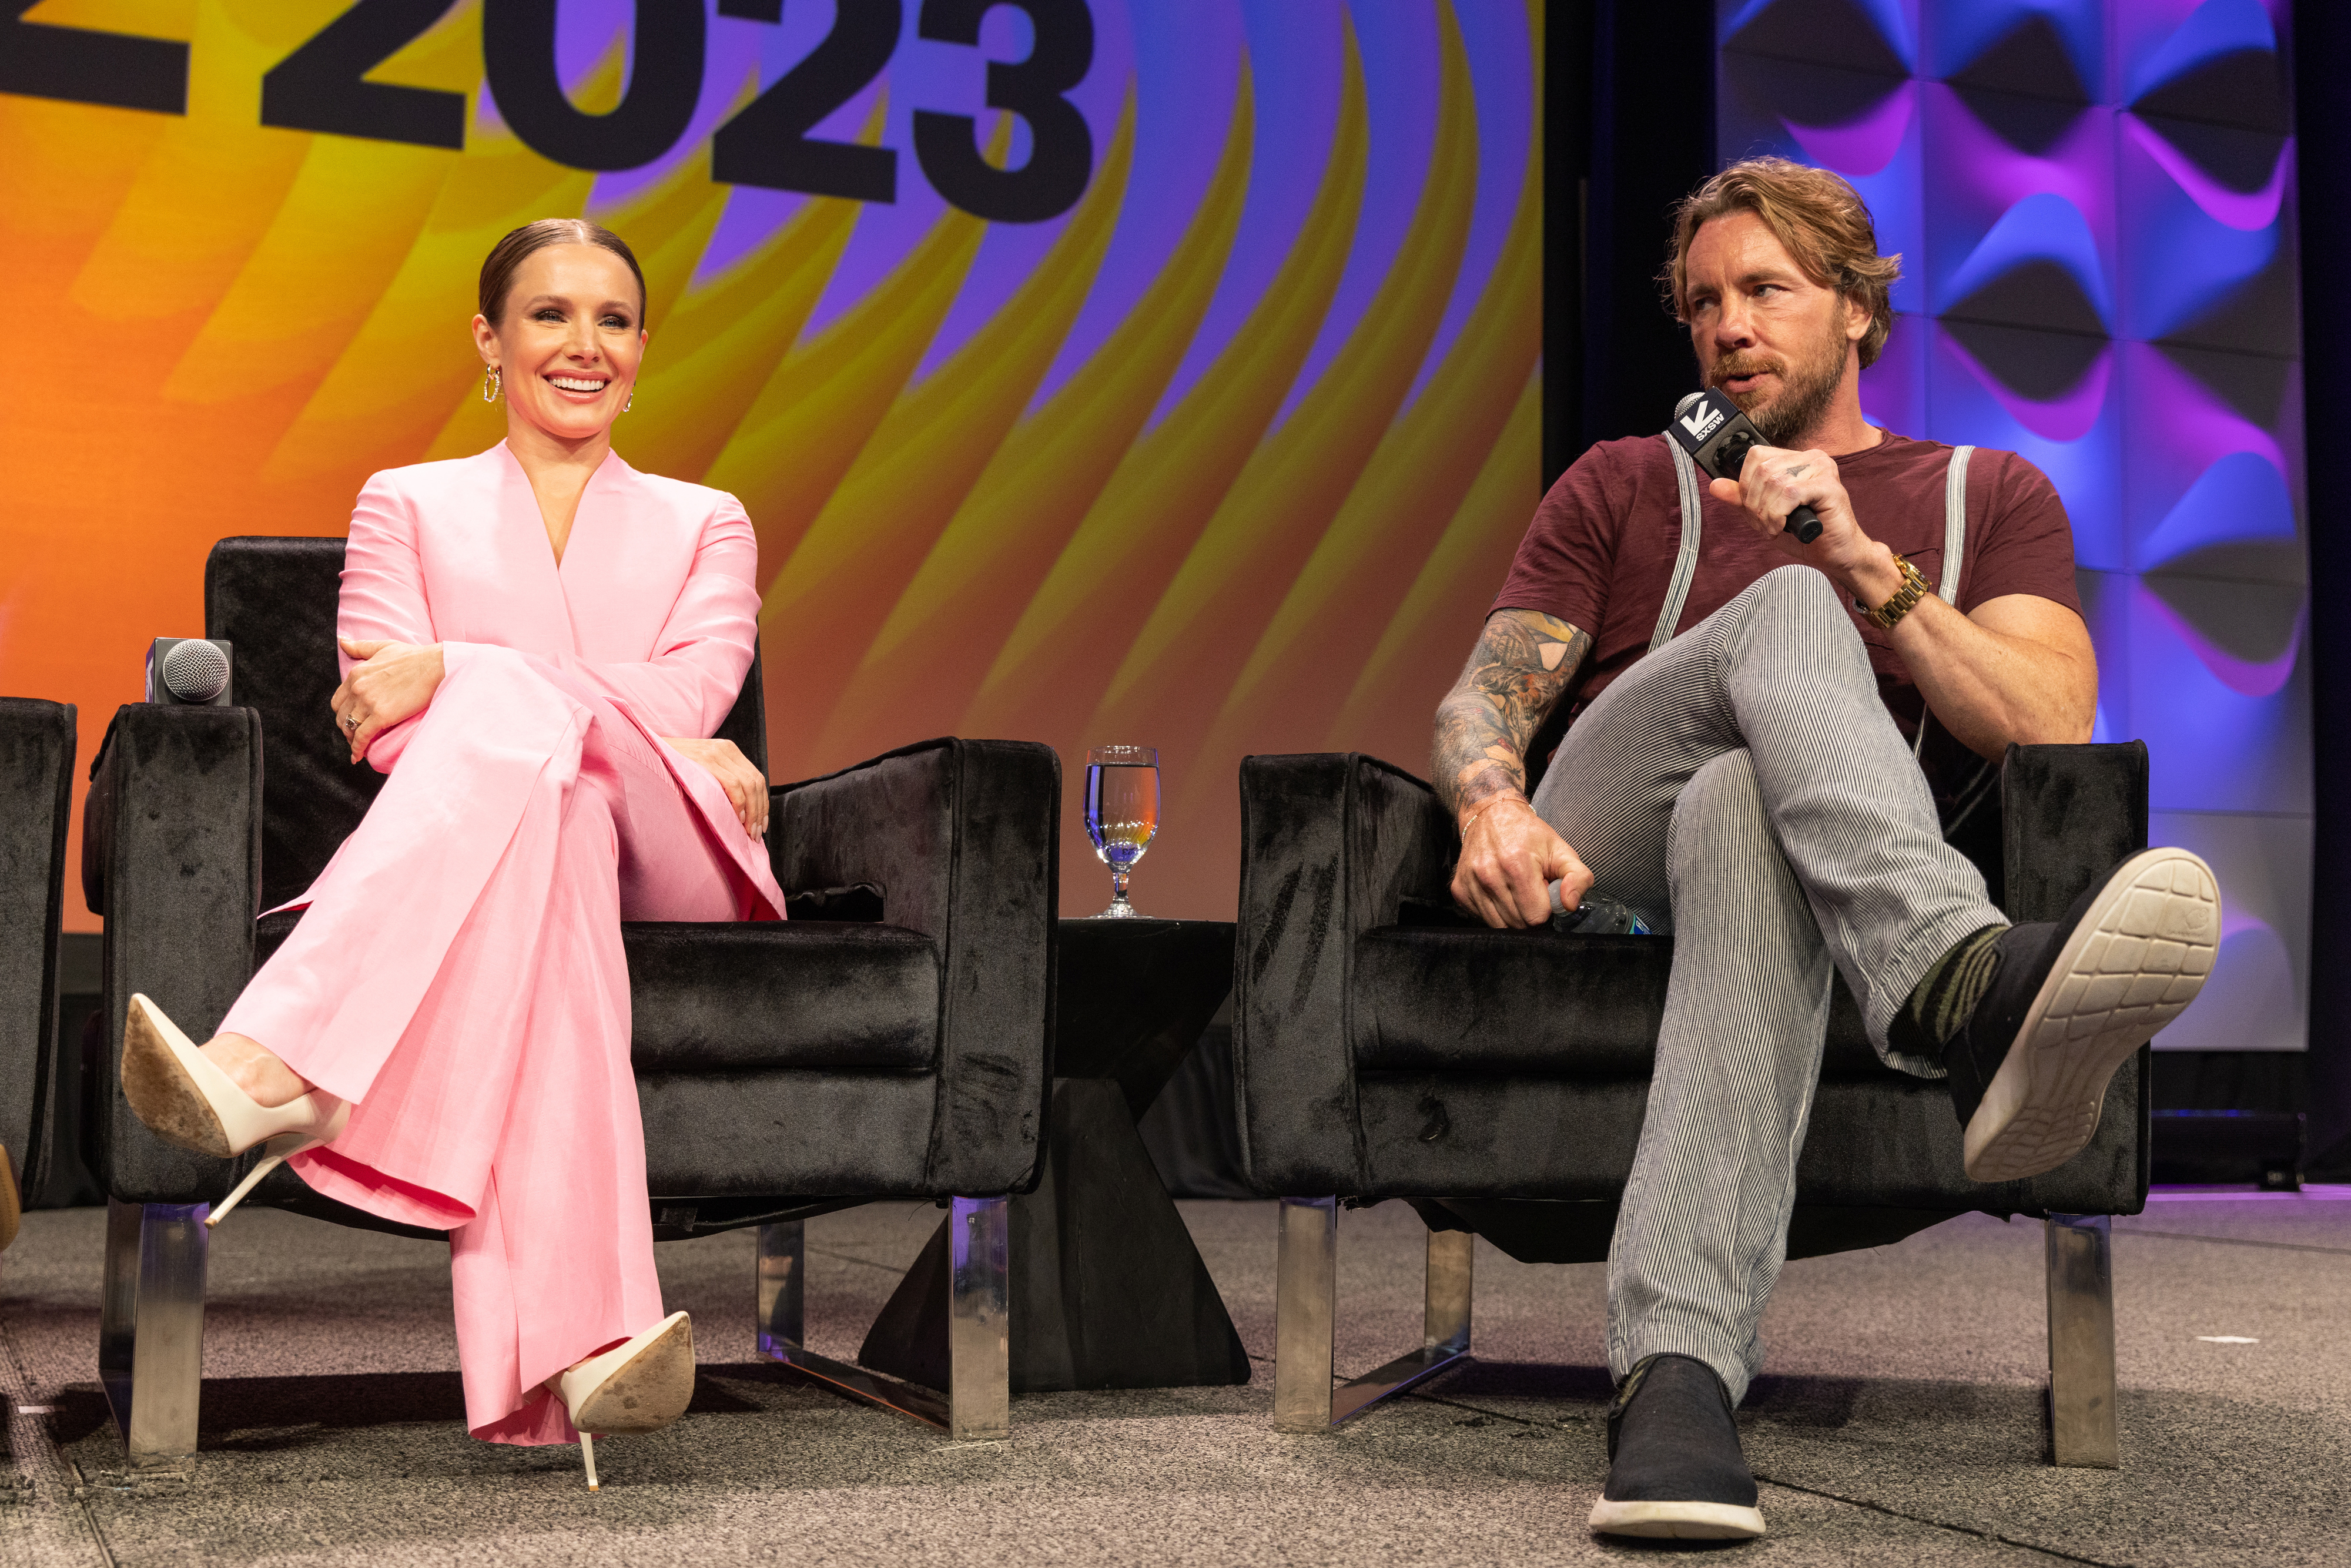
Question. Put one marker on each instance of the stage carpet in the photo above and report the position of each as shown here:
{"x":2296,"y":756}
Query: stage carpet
{"x":1900,"y":1420}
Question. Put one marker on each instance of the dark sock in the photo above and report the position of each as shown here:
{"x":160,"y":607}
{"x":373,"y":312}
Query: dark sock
{"x":1946,"y":995}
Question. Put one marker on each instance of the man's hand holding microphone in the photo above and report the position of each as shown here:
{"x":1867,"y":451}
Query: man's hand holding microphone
{"x":1794,"y":498}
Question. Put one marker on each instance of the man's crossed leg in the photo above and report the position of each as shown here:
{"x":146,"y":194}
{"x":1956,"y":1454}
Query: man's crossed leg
{"x":1744,"y":786}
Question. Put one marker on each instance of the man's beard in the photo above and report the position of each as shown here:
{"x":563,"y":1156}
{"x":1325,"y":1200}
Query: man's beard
{"x":1806,"y":388}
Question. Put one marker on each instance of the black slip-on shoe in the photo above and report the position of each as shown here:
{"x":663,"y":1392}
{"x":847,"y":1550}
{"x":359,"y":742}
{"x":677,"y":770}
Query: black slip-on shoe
{"x":2069,"y":1003}
{"x":1674,"y":1464}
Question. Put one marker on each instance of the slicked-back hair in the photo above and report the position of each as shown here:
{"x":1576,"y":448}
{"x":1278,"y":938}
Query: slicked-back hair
{"x":498,"y":267}
{"x":1820,"y":219}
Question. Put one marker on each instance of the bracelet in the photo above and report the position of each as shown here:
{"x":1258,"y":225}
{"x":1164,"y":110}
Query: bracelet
{"x":1905,"y":598}
{"x":1481,"y":810}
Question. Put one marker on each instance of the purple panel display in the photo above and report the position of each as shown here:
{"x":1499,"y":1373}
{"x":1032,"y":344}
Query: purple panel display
{"x":2094,"y":201}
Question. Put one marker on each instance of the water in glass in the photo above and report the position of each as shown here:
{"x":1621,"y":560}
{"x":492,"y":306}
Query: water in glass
{"x":1122,"y":813}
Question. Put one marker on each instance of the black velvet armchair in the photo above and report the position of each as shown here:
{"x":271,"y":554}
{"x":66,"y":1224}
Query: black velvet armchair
{"x":37,"y":758}
{"x":890,"y":1040}
{"x":1497,"y":1080}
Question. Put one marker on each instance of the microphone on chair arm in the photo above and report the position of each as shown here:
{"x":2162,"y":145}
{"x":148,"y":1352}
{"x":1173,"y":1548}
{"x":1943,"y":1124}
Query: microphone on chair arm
{"x":1716,"y":434}
{"x":189,"y":672}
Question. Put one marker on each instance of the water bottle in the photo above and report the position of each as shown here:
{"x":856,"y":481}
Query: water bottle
{"x":1596,"y":916}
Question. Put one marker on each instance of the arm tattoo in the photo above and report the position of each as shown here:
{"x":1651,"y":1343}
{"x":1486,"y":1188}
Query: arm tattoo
{"x":1515,"y":676}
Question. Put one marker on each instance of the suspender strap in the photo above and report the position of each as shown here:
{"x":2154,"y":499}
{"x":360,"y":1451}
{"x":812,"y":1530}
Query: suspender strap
{"x":1685,"y":563}
{"x":1955,"y":534}
{"x":1955,"y":544}
{"x":1955,"y":522}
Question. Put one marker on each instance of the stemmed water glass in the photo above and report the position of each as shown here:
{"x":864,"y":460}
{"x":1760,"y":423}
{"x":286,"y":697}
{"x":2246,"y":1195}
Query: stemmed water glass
{"x":1122,"y":813}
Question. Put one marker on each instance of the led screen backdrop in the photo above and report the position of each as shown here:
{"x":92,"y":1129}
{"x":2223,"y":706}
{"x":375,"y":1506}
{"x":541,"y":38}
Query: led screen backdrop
{"x":1148,"y":370}
{"x":2094,"y":202}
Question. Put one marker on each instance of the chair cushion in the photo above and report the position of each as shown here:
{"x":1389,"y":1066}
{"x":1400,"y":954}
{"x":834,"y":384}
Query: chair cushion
{"x":1433,"y":998}
{"x":726,"y":997}
{"x":818,"y":994}
{"x":1887,"y":1140}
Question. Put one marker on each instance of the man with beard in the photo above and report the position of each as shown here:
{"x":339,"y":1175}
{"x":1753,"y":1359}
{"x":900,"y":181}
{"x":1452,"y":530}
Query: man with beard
{"x":1744,"y":767}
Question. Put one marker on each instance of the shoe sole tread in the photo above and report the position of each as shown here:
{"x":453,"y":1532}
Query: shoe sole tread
{"x":2140,"y":957}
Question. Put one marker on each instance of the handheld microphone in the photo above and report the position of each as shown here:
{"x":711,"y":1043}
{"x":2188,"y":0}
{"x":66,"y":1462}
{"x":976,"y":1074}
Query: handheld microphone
{"x":1717,"y":436}
{"x":188,"y":672}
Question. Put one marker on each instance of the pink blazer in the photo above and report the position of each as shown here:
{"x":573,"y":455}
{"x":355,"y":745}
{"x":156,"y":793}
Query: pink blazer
{"x":653,"y":607}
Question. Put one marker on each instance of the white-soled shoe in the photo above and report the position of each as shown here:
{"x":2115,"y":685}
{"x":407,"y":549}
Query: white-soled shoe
{"x":2070,"y":1003}
{"x":185,"y":1100}
{"x":640,"y":1386}
{"x":1675,"y":1469}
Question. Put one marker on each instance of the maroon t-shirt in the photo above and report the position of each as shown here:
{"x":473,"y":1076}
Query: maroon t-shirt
{"x":1600,"y":553}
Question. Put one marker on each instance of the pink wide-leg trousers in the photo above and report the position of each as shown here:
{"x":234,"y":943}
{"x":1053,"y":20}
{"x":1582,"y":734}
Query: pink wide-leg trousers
{"x":459,"y":977}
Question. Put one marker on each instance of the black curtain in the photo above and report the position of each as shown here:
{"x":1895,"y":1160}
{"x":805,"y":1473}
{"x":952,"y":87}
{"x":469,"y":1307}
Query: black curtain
{"x":2321,"y":46}
{"x":1628,"y":131}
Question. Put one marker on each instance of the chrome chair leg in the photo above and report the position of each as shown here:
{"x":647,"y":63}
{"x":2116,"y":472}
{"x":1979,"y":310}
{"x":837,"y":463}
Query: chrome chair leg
{"x":2082,"y":1341}
{"x":979,"y":1344}
{"x":781,"y":1278}
{"x":1444,"y":1329}
{"x":1446,"y":1310}
{"x":151,"y":1329}
{"x":1305,"y":1306}
{"x":118,"y":1310}
{"x":780,"y":1282}
{"x":1305,"y":1318}
{"x":977,"y":1404}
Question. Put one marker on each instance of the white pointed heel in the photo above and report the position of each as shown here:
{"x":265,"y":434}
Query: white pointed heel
{"x":185,"y":1100}
{"x":640,"y":1386}
{"x":277,"y":1151}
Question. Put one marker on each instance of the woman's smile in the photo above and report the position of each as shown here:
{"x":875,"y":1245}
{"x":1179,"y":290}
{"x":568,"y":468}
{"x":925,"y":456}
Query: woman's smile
{"x":570,"y":336}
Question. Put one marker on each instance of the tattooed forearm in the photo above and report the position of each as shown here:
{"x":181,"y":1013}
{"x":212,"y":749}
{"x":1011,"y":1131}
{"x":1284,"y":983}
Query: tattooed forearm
{"x":1515,"y":676}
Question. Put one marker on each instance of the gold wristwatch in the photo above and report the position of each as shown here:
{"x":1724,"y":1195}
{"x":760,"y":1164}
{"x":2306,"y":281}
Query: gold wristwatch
{"x":1914,"y":588}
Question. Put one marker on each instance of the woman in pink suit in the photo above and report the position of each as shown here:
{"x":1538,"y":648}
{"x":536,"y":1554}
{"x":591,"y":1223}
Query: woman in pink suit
{"x":537,"y":644}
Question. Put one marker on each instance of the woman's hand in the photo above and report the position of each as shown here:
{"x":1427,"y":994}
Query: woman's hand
{"x":391,"y":682}
{"x":744,"y":784}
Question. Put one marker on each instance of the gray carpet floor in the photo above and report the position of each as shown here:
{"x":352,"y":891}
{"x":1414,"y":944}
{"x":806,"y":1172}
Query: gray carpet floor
{"x":1899,"y":1422}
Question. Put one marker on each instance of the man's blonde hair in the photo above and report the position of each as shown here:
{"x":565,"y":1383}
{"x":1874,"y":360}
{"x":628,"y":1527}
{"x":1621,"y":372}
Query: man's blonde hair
{"x":1820,"y":219}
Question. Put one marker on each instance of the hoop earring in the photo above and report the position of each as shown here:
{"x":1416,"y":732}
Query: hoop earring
{"x":629,"y":401}
{"x":491,"y":383}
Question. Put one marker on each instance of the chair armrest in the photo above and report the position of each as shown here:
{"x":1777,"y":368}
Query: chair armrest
{"x":1331,"y":843}
{"x":36,"y":758}
{"x":889,"y":822}
{"x":2067,"y":814}
{"x":963,"y":837}
{"x":171,"y":841}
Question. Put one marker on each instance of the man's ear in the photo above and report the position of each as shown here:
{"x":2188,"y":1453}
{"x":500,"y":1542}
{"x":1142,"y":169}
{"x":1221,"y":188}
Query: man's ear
{"x":1857,"y":316}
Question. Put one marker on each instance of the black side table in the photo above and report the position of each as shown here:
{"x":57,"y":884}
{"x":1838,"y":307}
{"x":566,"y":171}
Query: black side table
{"x":1107,"y":1289}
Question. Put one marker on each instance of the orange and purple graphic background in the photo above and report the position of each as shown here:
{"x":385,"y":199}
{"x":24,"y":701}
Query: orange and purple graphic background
{"x":1227,"y":457}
